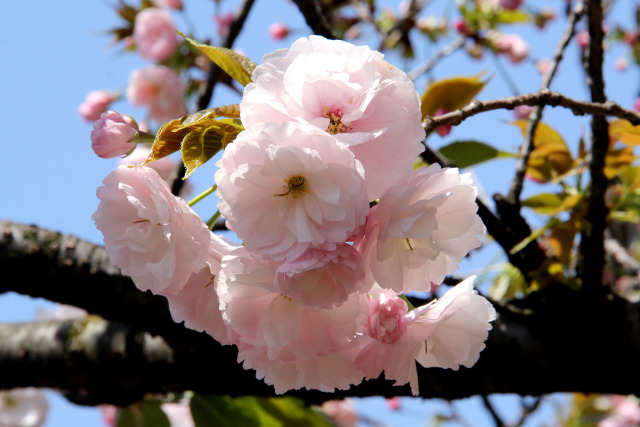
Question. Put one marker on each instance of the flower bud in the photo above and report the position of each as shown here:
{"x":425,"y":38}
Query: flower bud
{"x":95,"y":103}
{"x":111,"y":135}
{"x":278,"y":31}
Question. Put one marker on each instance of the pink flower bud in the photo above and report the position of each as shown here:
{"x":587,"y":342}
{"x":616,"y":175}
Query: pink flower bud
{"x":223,"y":22}
{"x":111,"y":134}
{"x":174,"y":4}
{"x":582,"y":38}
{"x":523,"y":112}
{"x":636,"y":105}
{"x":461,"y":26}
{"x":387,"y":322}
{"x":155,"y":34}
{"x":394,"y":403}
{"x":94,"y":104}
{"x":278,"y":31}
{"x":507,"y":4}
{"x":621,"y":64}
{"x":442,"y":130}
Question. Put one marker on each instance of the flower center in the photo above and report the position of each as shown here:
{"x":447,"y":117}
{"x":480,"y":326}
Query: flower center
{"x":335,"y":121}
{"x":295,"y":185}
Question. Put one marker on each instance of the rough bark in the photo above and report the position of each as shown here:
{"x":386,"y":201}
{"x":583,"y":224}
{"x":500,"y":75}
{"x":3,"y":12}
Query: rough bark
{"x":552,"y":340}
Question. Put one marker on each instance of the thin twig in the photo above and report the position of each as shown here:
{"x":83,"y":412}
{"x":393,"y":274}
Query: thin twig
{"x":314,"y":17}
{"x":431,"y":62}
{"x":545,"y":97}
{"x":528,"y":410}
{"x":525,"y":152}
{"x":592,"y":255}
{"x":492,"y":411}
{"x":215,"y":72}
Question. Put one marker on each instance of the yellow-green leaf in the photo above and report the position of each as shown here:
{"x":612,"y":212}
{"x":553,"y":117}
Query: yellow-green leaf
{"x":468,"y":153}
{"x":168,"y":140}
{"x":236,"y":65}
{"x":617,"y":161}
{"x":550,"y":156}
{"x":451,"y":94}
{"x":623,"y":131}
{"x":551,"y":204}
{"x":200,"y":145}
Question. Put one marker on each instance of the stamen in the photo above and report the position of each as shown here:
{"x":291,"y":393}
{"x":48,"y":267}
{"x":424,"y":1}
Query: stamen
{"x":295,"y":184}
{"x":335,"y":122}
{"x":409,"y":243}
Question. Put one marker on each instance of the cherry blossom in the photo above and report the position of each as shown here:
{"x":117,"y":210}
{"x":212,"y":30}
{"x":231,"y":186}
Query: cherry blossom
{"x":289,"y":187}
{"x":166,"y":167}
{"x":153,"y":236}
{"x":197,"y":302}
{"x":95,"y":103}
{"x":154,"y":34}
{"x":347,"y":91}
{"x":23,"y":407}
{"x":278,"y":30}
{"x":507,"y":4}
{"x":174,"y":4}
{"x":288,"y":345}
{"x":454,"y":328}
{"x":111,"y":135}
{"x":342,"y":412}
{"x":513,"y":46}
{"x":160,"y":90}
{"x":421,"y":228}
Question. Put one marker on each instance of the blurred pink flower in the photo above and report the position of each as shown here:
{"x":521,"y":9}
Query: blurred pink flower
{"x":507,"y":4}
{"x":154,"y":33}
{"x":582,"y":38}
{"x":636,"y":105}
{"x":23,"y":407}
{"x":394,"y":403}
{"x":621,"y":64}
{"x":223,"y":22}
{"x":523,"y":112}
{"x":460,"y":26}
{"x":290,"y":187}
{"x":421,"y":229}
{"x":160,"y":90}
{"x":153,"y":236}
{"x":111,"y":135}
{"x":342,"y":412}
{"x":513,"y":46}
{"x":179,"y":414}
{"x":278,"y":30}
{"x":345,"y":90}
{"x":174,"y":4}
{"x":446,"y":129}
{"x":95,"y":104}
{"x":61,"y":312}
{"x":625,"y":413}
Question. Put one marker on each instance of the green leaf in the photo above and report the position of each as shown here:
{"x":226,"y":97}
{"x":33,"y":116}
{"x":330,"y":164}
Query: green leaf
{"x":550,"y":157}
{"x":551,"y":204}
{"x":468,"y":153}
{"x":199,"y":136}
{"x":513,"y":17}
{"x":145,"y":414}
{"x":254,"y":411}
{"x":200,"y":145}
{"x":451,"y":94}
{"x":236,"y":65}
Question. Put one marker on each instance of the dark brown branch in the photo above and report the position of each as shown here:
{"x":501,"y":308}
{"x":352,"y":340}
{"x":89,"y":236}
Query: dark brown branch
{"x":525,"y":151}
{"x":214,"y":75}
{"x":592,"y":255}
{"x":314,"y":17}
{"x":543,"y":97}
{"x":492,"y":412}
{"x":508,"y":230}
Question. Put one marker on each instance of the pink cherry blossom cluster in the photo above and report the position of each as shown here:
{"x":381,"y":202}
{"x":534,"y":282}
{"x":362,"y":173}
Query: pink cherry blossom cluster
{"x":335,"y":222}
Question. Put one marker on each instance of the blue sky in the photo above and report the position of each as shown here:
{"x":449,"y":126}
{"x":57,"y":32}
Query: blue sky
{"x":54,"y":53}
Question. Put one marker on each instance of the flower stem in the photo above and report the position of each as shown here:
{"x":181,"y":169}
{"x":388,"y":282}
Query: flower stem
{"x":212,"y":221}
{"x":143,"y":138}
{"x":202,"y":196}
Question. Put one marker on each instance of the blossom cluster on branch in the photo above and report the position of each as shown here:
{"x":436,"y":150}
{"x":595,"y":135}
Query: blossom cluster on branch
{"x":336,"y":225}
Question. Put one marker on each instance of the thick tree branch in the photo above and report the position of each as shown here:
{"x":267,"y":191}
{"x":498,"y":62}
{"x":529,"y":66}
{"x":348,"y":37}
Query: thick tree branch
{"x":540,"y":344}
{"x":592,"y":255}
{"x":542,"y":97}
